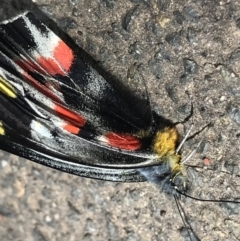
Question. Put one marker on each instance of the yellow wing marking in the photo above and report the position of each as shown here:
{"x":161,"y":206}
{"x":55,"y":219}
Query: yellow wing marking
{"x":7,"y":89}
{"x":2,"y":131}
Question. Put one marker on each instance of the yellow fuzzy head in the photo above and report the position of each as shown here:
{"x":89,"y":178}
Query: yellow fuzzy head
{"x":165,"y":141}
{"x":164,"y":145}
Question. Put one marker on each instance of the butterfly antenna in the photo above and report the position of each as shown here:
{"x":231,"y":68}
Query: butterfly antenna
{"x":200,"y":131}
{"x":208,"y":200}
{"x":191,"y":153}
{"x":184,"y":139}
{"x":184,"y":220}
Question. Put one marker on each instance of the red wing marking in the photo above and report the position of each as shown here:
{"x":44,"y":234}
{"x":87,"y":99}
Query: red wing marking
{"x":71,"y":128}
{"x":123,"y":141}
{"x":61,"y":61}
{"x":61,"y":111}
{"x":29,"y":66}
{"x":41,"y":88}
{"x":70,"y":116}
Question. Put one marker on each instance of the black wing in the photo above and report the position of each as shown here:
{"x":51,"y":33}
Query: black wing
{"x":56,"y":109}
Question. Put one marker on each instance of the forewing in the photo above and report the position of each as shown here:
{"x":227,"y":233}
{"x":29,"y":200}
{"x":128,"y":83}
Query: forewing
{"x":65,"y":74}
{"x":62,"y":108}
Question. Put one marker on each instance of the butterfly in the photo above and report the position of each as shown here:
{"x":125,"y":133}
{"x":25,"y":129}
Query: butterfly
{"x":61,"y":110}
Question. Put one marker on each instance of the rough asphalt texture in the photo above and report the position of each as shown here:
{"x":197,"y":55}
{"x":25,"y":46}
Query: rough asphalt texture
{"x":178,"y":46}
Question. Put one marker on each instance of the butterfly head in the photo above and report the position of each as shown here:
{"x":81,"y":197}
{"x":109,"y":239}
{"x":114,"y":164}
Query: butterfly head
{"x":164,"y":145}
